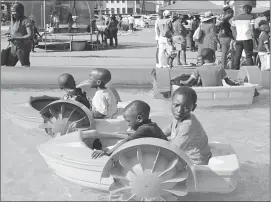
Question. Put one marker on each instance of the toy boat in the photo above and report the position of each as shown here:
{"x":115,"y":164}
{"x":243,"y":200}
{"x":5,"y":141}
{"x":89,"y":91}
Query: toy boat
{"x":224,"y":95}
{"x":141,"y":169}
{"x":253,"y":75}
{"x":54,"y":115}
{"x":214,"y":96}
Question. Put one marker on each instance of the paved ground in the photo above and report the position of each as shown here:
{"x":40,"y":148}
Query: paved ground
{"x":136,"y":50}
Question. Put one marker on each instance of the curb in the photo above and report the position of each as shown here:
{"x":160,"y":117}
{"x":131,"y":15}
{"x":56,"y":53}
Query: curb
{"x":46,"y":77}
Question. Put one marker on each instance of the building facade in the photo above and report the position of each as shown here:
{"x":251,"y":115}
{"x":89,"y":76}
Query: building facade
{"x":129,"y":7}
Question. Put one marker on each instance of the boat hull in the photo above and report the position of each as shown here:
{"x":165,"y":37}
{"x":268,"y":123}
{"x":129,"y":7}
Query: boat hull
{"x":69,"y":157}
{"x":223,"y":95}
{"x":214,"y":96}
{"x":27,"y":115}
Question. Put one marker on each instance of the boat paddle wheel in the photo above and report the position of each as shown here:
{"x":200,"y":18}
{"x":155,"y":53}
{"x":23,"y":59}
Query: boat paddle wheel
{"x":145,"y":170}
{"x":65,"y":116}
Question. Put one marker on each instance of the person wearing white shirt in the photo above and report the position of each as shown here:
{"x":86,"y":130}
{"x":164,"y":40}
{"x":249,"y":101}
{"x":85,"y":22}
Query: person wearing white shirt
{"x":160,"y":16}
{"x":244,"y":33}
{"x":164,"y":30}
{"x":131,"y":21}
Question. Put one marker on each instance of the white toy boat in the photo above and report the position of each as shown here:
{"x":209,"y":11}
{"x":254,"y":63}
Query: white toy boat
{"x":141,"y":169}
{"x":207,"y":96}
{"x":55,"y":115}
{"x":224,"y":95}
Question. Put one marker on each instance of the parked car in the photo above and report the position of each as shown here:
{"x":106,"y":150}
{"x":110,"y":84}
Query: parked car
{"x":137,"y":19}
{"x":153,"y":16}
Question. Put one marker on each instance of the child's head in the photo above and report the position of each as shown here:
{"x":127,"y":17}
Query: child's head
{"x":66,"y":81}
{"x":169,"y":40}
{"x":263,"y":22}
{"x":99,"y":77}
{"x":247,"y":8}
{"x":136,"y":113}
{"x":208,"y":55}
{"x":160,"y":14}
{"x":184,"y":101}
{"x":265,"y":28}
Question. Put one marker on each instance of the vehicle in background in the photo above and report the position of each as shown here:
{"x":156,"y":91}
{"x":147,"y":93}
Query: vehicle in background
{"x":153,"y":16}
{"x":137,"y":19}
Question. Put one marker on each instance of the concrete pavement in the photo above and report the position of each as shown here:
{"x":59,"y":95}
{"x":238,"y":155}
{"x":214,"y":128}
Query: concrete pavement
{"x":130,"y":64}
{"x":136,"y":50}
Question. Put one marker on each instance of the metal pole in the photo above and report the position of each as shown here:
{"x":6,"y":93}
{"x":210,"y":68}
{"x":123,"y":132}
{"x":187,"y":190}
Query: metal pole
{"x":90,"y":23}
{"x":41,"y":21}
{"x":44,"y":22}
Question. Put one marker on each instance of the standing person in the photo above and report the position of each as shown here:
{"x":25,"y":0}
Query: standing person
{"x":225,"y":35}
{"x":264,"y":46}
{"x":35,"y":35}
{"x":160,"y":16}
{"x":70,"y":22}
{"x":170,"y":52}
{"x":131,"y":21}
{"x":179,"y":39}
{"x":243,"y":32}
{"x":120,"y":22}
{"x":113,"y":30}
{"x":194,"y":26}
{"x":164,"y":30}
{"x":56,"y":22}
{"x":209,"y":37}
{"x":21,"y":35}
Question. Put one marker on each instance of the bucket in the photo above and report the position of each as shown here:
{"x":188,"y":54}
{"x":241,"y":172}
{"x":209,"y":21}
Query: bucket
{"x":78,"y":45}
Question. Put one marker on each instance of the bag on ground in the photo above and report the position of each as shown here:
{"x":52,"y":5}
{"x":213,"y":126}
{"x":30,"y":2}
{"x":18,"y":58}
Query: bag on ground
{"x":4,"y":55}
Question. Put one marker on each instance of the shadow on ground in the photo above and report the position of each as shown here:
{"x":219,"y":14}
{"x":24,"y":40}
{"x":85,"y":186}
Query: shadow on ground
{"x":64,"y":46}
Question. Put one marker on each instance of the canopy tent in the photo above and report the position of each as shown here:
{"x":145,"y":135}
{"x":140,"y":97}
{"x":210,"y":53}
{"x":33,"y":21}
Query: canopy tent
{"x":193,"y":7}
{"x":260,"y":10}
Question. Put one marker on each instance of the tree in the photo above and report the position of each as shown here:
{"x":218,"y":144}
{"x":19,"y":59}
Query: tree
{"x":99,"y":5}
{"x":142,"y":6}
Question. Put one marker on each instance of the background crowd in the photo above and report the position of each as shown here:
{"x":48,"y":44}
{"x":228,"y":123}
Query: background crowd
{"x":242,"y":39}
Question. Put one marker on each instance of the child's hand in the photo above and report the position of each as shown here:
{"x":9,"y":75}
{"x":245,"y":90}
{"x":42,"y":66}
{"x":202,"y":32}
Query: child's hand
{"x":232,"y":45}
{"x":97,"y":154}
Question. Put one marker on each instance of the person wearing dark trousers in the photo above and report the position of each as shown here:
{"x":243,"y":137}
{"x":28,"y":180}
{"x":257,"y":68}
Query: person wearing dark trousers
{"x":113,"y":30}
{"x":225,"y":35}
{"x":70,"y":22}
{"x":244,"y":33}
{"x":35,"y":37}
{"x":21,"y":35}
{"x":191,"y":31}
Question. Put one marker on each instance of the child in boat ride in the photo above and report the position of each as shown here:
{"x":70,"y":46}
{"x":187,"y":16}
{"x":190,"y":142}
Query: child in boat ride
{"x":186,"y":131}
{"x":137,"y":116}
{"x":66,"y":82}
{"x":209,"y":73}
{"x":104,"y":103}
